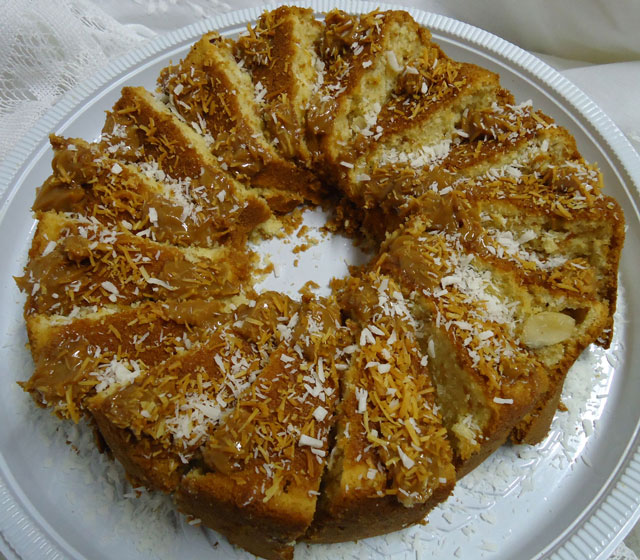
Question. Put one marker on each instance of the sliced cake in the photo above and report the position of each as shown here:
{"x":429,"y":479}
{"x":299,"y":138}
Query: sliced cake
{"x":214,"y":93}
{"x":95,"y":349}
{"x":275,"y":421}
{"x":362,"y":57}
{"x":498,"y":140}
{"x":391,"y":462}
{"x":280,"y":54}
{"x":88,"y":181}
{"x":271,"y":473}
{"x":142,"y":131}
{"x":478,"y":323}
{"x":173,"y":408}
{"x":420,"y":119}
{"x":75,"y":261}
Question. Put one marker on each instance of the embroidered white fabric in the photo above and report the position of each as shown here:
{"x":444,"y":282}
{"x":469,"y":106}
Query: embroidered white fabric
{"x":47,"y":47}
{"x":623,"y":552}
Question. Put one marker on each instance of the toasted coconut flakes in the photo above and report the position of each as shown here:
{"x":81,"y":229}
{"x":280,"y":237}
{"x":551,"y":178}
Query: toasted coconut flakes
{"x":431,"y":348}
{"x":393,"y":61}
{"x":158,"y":282}
{"x":116,"y":373}
{"x":366,"y":337}
{"x":110,"y":287}
{"x":49,"y":248}
{"x":392,"y":338}
{"x":384,"y":368}
{"x":153,"y":216}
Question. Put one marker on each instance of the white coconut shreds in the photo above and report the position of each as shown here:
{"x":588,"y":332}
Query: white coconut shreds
{"x":427,"y":155}
{"x":116,"y":374}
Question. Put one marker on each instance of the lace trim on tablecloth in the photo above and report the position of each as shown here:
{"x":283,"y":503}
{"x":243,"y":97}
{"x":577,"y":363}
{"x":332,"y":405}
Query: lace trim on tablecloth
{"x":623,"y":552}
{"x":47,"y":48}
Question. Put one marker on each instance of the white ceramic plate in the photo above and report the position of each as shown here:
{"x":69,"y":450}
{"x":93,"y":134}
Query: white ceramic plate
{"x":574,"y":496}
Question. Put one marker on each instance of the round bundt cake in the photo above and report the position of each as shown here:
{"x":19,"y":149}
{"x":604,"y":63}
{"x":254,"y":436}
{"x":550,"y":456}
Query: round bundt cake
{"x":494,"y":257}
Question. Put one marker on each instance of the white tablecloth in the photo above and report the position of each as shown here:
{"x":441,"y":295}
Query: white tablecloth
{"x":48,"y":46}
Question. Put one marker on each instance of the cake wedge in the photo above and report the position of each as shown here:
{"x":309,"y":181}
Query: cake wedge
{"x":473,"y":321}
{"x":281,"y":54}
{"x":157,"y":424}
{"x":215,"y":95}
{"x":271,"y":474}
{"x":78,"y":262}
{"x":391,"y":462}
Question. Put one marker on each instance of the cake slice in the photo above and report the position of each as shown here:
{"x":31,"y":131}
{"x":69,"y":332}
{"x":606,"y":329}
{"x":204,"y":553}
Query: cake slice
{"x":570,"y":217}
{"x":280,"y":54}
{"x":562,"y":239}
{"x":504,"y":140}
{"x":507,"y":134}
{"x":483,"y":329}
{"x":391,"y":462}
{"x":142,"y":131}
{"x":94,"y":349}
{"x":572,"y":233}
{"x":214,"y":94}
{"x":555,"y":230}
{"x":498,"y":140}
{"x":547,"y":257}
{"x":362,"y":58}
{"x":88,"y":181}
{"x":75,"y":261}
{"x":271,"y":474}
{"x":419,"y":121}
{"x":169,"y":411}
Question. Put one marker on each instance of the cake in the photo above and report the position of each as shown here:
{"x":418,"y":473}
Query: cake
{"x":390,"y":445}
{"x":323,"y":419}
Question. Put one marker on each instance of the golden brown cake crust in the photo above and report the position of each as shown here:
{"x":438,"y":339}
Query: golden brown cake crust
{"x":220,"y":503}
{"x":369,"y":517}
{"x":145,"y":462}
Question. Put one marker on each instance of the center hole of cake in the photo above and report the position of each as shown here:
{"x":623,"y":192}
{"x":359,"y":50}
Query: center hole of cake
{"x":309,"y":253}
